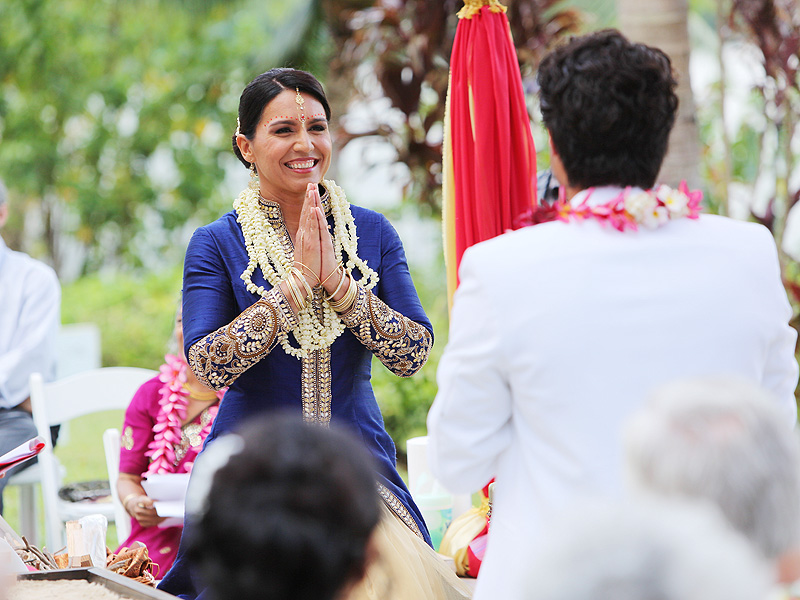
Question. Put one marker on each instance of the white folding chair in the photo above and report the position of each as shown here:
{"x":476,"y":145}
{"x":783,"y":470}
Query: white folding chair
{"x":121,"y":517}
{"x":58,"y":402}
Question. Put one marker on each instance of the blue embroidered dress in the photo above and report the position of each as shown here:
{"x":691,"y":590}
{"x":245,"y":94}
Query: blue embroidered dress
{"x":231,"y":339}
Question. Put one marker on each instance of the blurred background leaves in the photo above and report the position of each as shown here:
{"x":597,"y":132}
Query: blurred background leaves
{"x":116,"y":117}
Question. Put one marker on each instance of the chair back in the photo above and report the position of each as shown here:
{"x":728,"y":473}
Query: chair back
{"x":111,"y":445}
{"x":60,"y":401}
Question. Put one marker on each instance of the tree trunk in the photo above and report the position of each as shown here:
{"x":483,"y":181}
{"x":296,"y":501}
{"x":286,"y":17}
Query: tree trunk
{"x":663,"y":24}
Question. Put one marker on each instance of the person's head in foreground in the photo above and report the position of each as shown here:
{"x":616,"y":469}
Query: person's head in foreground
{"x":723,"y":441}
{"x":609,"y":106}
{"x":289,"y":513}
{"x":646,"y":551}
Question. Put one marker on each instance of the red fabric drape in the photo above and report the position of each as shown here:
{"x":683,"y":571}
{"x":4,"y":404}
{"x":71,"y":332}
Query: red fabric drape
{"x":493,"y":156}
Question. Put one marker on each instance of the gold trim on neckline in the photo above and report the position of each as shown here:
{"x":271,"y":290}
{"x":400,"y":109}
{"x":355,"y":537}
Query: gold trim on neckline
{"x":272,"y":209}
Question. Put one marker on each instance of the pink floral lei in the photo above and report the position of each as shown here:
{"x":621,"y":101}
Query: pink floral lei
{"x":169,"y":423}
{"x":631,"y":208}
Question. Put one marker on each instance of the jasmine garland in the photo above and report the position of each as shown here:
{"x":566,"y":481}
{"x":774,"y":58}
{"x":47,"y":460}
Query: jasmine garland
{"x":315,"y":331}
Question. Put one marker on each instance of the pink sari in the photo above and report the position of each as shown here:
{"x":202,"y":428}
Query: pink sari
{"x":143,"y":415}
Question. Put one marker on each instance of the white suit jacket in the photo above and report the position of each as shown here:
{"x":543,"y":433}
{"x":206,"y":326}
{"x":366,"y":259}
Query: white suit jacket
{"x":561,"y":330}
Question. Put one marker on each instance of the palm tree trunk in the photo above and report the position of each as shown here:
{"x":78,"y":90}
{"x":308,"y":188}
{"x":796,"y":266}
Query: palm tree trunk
{"x":663,"y":24}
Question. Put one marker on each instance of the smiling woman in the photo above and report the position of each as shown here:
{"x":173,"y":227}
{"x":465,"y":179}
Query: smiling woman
{"x":287,"y":298}
{"x":287,"y":149}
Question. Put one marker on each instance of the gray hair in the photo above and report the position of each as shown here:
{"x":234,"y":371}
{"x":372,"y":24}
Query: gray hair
{"x":724,"y":441}
{"x":647,"y":551}
{"x":3,"y":193}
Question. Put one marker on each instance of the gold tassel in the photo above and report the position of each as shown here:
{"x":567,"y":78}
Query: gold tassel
{"x":473,"y":7}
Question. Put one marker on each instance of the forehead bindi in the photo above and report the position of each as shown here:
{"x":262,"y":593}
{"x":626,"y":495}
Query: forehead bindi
{"x":284,"y":109}
{"x":293,"y":120}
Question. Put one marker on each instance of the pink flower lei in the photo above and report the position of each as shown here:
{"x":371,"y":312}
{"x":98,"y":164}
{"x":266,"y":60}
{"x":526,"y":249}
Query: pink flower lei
{"x":169,"y":422}
{"x":631,"y":208}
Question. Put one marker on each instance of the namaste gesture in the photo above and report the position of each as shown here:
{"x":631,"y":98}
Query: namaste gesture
{"x":313,"y":252}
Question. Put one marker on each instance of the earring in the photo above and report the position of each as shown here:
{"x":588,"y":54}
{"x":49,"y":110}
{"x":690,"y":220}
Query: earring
{"x":254,"y":183}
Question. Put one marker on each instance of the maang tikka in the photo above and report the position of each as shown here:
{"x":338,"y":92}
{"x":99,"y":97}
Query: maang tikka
{"x":301,"y":106}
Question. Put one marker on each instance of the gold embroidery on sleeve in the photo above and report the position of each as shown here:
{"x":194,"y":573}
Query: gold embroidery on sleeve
{"x":220,"y":357}
{"x":126,"y":439}
{"x":399,"y":343}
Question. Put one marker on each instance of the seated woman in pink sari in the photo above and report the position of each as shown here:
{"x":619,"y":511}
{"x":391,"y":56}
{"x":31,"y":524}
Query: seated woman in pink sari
{"x":165,"y":426}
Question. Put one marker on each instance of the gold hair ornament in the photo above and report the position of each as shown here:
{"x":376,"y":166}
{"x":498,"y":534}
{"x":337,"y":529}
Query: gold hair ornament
{"x":301,"y":106}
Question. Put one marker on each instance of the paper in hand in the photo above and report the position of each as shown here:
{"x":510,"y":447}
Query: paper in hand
{"x":20,"y":454}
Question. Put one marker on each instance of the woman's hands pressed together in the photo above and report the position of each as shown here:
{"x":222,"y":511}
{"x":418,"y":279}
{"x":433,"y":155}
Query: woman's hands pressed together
{"x":313,"y":252}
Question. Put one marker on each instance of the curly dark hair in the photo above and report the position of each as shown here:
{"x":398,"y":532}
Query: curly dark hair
{"x":609,"y":105}
{"x":263,"y":89}
{"x":289,"y":516}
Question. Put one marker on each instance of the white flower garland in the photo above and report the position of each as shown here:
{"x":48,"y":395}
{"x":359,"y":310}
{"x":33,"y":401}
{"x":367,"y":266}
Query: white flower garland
{"x":266,"y":251}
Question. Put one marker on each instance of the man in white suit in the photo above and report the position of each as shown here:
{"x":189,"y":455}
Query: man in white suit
{"x":560,"y":330}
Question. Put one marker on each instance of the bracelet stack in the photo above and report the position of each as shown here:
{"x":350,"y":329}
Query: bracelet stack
{"x":336,"y":270}
{"x":294,"y":289}
{"x":302,"y":266}
{"x":338,"y":287}
{"x":345,"y":302}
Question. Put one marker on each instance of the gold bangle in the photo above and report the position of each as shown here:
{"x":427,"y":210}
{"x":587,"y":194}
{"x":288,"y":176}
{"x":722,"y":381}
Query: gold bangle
{"x":346,"y":301}
{"x":302,"y":280}
{"x":352,"y":295}
{"x":125,"y":501}
{"x":336,"y":270}
{"x":294,"y":289}
{"x":309,"y":270}
{"x":338,"y":287}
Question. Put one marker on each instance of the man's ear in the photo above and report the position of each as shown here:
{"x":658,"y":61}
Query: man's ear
{"x":556,"y":166}
{"x":3,"y":213}
{"x":553,"y":151}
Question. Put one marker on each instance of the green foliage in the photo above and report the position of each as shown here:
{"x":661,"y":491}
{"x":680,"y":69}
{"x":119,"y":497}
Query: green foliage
{"x":405,"y":402}
{"x":135,"y":314}
{"x":116,"y":117}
